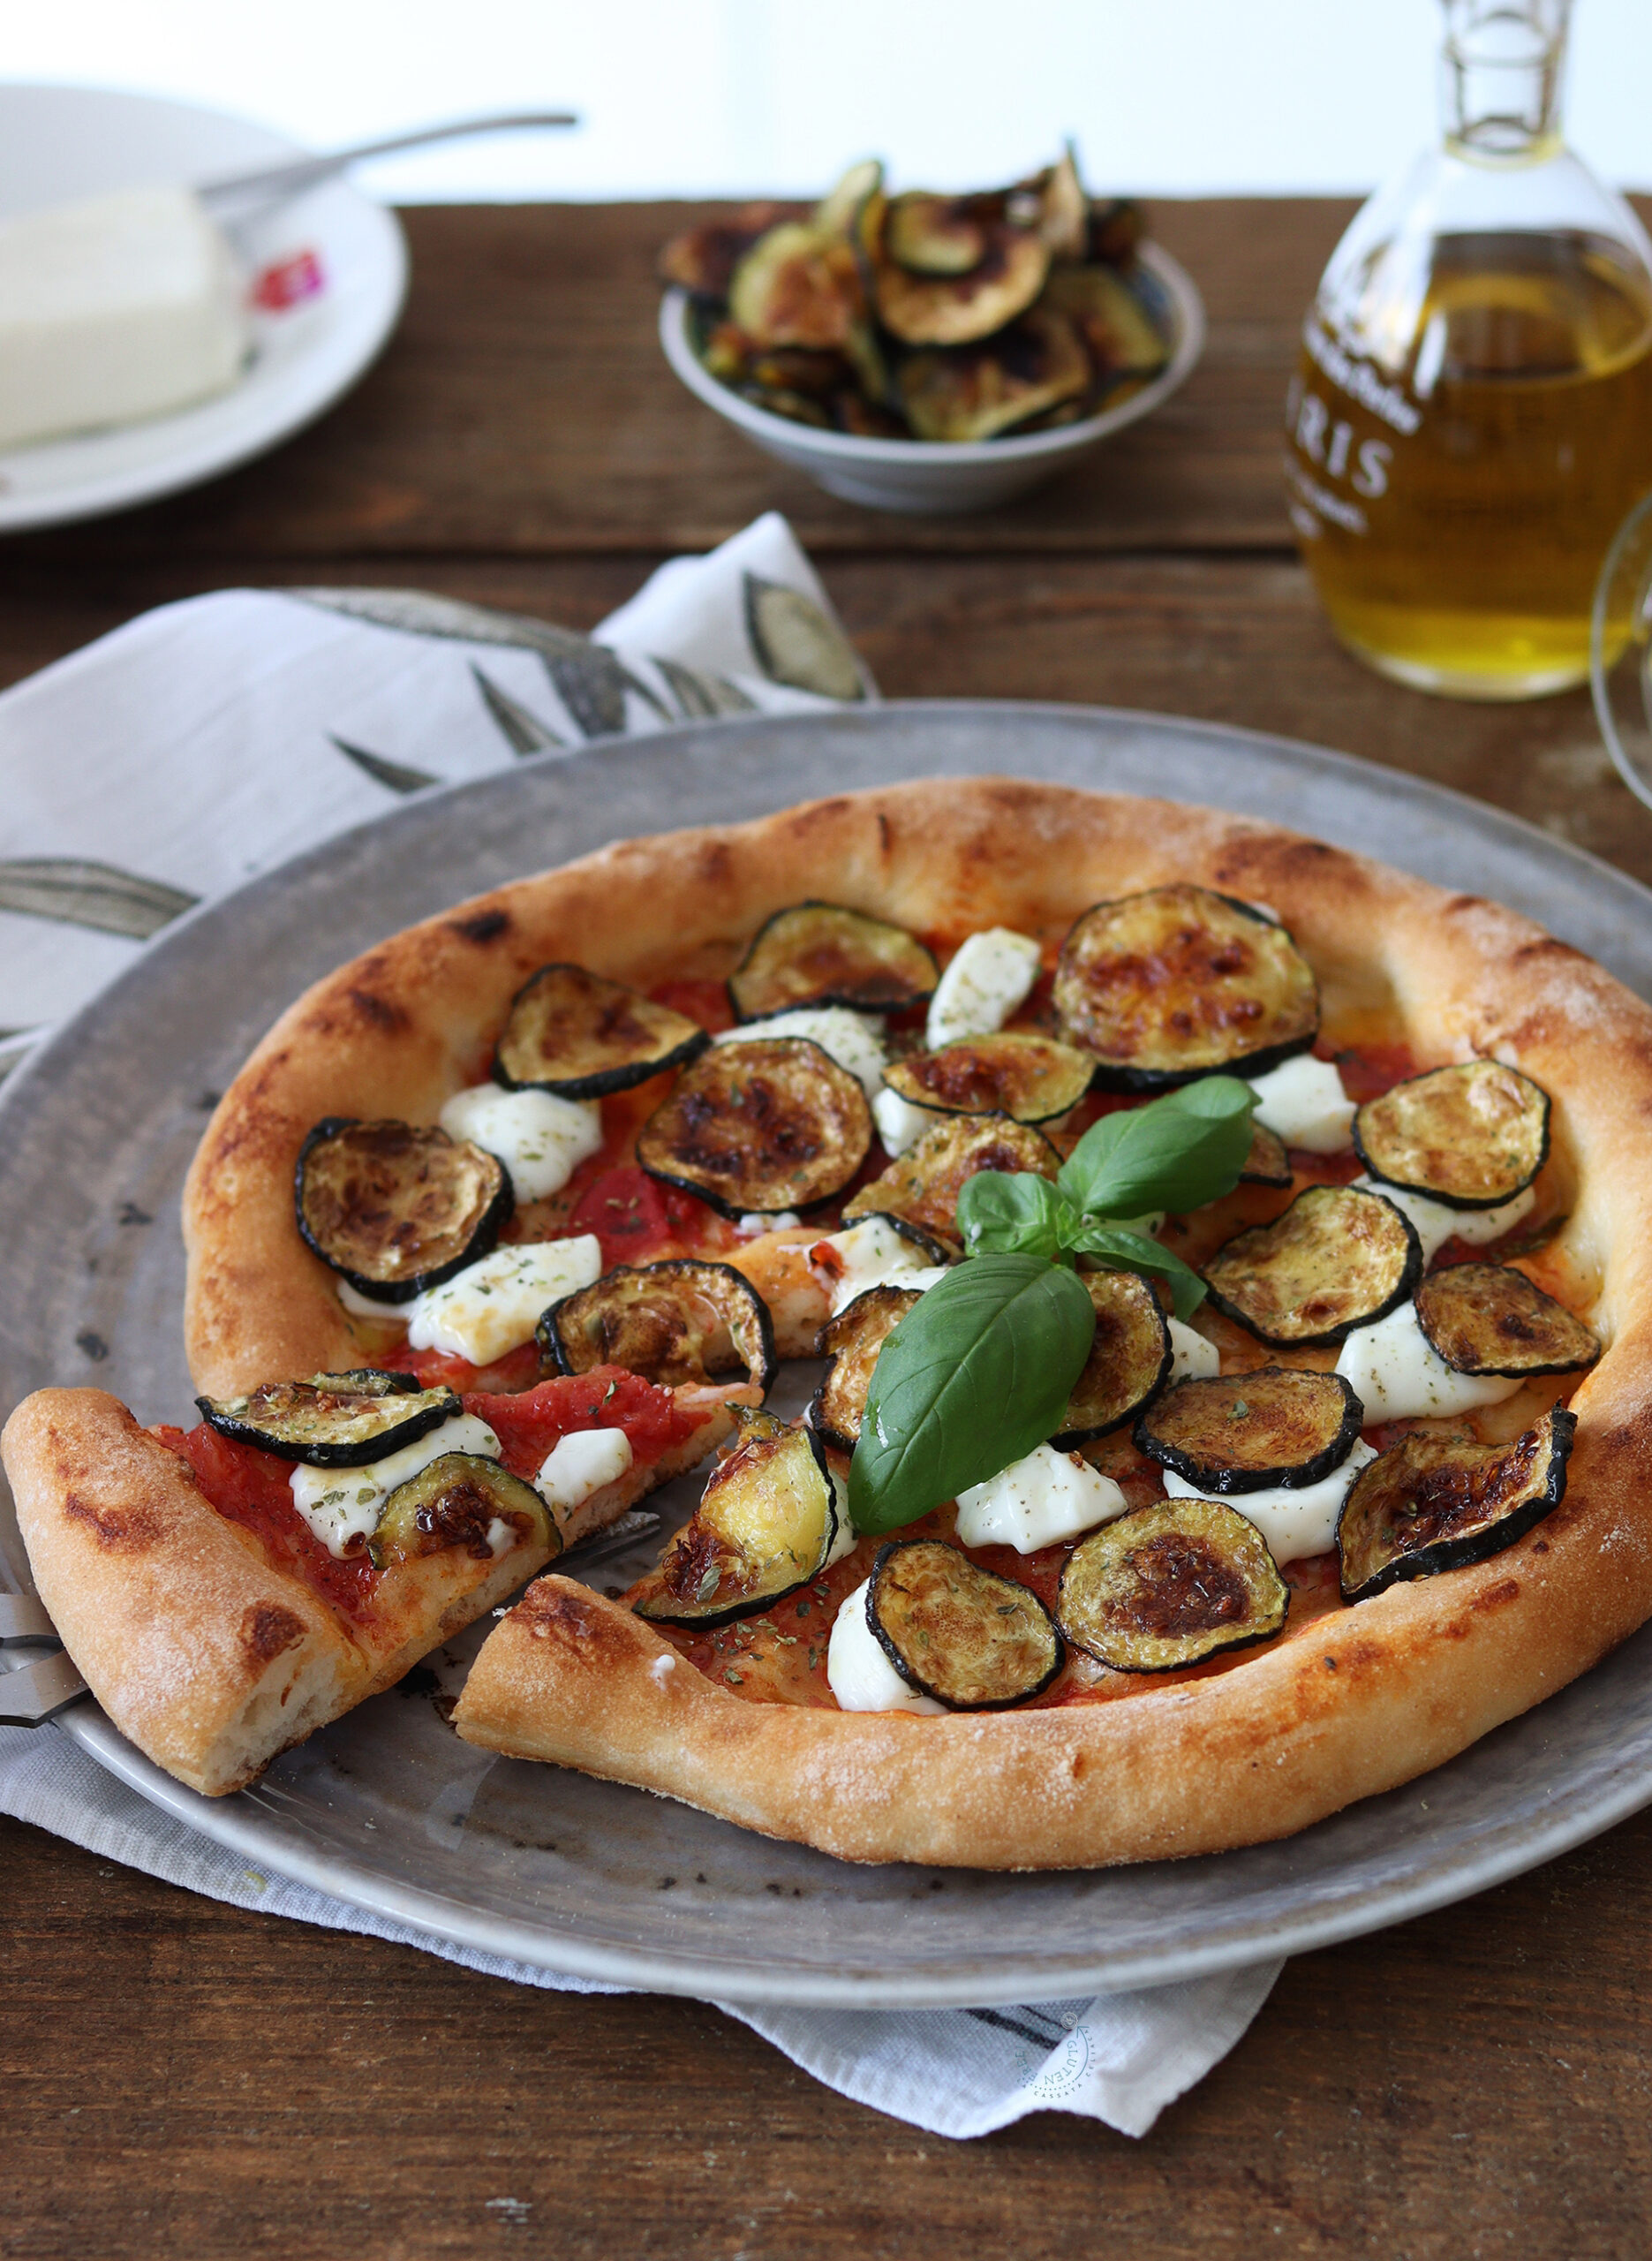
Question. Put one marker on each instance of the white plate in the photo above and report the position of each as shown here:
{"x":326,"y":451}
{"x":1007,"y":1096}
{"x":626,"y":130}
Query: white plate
{"x":57,"y":143}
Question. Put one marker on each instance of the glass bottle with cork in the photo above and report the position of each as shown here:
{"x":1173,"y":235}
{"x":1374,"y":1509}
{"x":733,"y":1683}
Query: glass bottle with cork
{"x":1472,"y":414}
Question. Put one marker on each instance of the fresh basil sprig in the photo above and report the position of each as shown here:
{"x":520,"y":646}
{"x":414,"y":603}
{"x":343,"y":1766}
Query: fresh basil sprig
{"x":979,"y":1371}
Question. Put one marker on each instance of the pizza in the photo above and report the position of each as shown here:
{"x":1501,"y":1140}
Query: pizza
{"x":1224,"y":1255}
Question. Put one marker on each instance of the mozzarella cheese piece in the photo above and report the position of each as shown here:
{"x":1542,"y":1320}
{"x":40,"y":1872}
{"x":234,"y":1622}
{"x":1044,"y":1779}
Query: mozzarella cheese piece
{"x":1436,"y":1223}
{"x":579,"y":1464}
{"x":858,"y":1673}
{"x":850,"y":1038}
{"x":901,"y":1124}
{"x":1303,"y":1102}
{"x":1293,"y":1524}
{"x":845,"y":1538}
{"x":495,"y":1304}
{"x":988,"y":977}
{"x":344,"y":1504}
{"x":114,"y":308}
{"x":369,"y":1306}
{"x":755,"y":1223}
{"x":871,"y":1254}
{"x":1033,"y":1502}
{"x":1193,"y":1356}
{"x":541,"y":1139}
{"x":1397,"y":1373}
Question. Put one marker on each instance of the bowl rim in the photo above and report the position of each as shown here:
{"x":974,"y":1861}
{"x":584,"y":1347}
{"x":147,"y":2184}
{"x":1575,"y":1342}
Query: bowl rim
{"x":851,"y":447}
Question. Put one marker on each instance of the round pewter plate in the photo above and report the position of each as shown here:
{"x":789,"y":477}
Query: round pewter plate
{"x":387,"y":1809}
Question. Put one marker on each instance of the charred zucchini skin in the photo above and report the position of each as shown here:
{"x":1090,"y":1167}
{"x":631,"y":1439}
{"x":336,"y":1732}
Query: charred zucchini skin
{"x":1328,"y":1408}
{"x":1195,"y":1575}
{"x":1131,"y":1331}
{"x":677,"y":1040}
{"x":1475,"y":1313}
{"x":1549,"y":1445}
{"x":1267,"y":1163}
{"x":451,"y":1503}
{"x":1377,"y":1127}
{"x":1298,"y":1020}
{"x":750,"y":1325}
{"x":1222,"y":1279}
{"x":803,"y":1121}
{"x":485,"y":1236}
{"x":258,"y":1418}
{"x":896,"y":1562}
{"x":919,"y":1193}
{"x":836,"y":1408}
{"x":760,"y":986}
{"x":659,"y":1597}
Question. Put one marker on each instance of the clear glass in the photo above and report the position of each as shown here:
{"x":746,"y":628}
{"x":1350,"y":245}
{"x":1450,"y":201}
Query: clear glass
{"x":1620,"y":651}
{"x":1472,"y":414}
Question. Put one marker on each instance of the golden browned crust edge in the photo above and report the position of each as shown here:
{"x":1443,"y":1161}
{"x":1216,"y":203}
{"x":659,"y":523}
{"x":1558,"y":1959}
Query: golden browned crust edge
{"x":1255,"y":1752}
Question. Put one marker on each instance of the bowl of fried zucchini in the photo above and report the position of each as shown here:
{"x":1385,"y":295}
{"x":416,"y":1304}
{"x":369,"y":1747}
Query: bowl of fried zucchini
{"x":925,"y":352}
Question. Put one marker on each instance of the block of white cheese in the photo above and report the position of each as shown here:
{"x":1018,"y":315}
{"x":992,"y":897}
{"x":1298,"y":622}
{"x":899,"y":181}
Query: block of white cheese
{"x":1292,"y":1524}
{"x":1398,"y":1375}
{"x":580,"y":1463}
{"x":985,"y":981}
{"x":495,"y":1304}
{"x":344,"y":1504}
{"x":871,"y":1254}
{"x":853,"y":1040}
{"x":858,"y":1672}
{"x":115,"y":308}
{"x":1303,"y":1102}
{"x":1436,"y":1223}
{"x":901,"y":1122}
{"x":541,"y":1139}
{"x":1035,"y":1501}
{"x":1193,"y":1356}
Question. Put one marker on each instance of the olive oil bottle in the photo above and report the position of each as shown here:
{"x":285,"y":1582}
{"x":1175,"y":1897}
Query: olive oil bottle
{"x":1472,"y":414}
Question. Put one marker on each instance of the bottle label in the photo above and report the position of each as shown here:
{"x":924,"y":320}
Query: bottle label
{"x":1331,"y":468}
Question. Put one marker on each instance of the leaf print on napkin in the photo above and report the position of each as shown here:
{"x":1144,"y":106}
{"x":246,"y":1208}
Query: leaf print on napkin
{"x":520,"y":728}
{"x":703,"y":696}
{"x":82,"y":892}
{"x":797,"y":643}
{"x":398,"y":776}
{"x":415,"y":613}
{"x":592,"y":684}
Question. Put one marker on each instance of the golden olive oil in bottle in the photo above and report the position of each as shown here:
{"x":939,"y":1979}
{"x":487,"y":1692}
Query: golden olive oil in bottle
{"x":1472,"y":414}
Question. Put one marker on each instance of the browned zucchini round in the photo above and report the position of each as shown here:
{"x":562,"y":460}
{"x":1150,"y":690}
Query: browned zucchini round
{"x":1129,"y":1359}
{"x":1338,"y":1258}
{"x":333,"y":1420}
{"x":580,"y":1035}
{"x":974,"y":392}
{"x":972,"y":1640}
{"x":461,"y":1501}
{"x":1472,"y":1135}
{"x":1179,"y":982}
{"x":823,"y":954}
{"x":1232,"y":1433}
{"x":958,"y":308}
{"x":934,"y":235}
{"x":675,"y":1322}
{"x":1267,"y":1163}
{"x":852,"y":1342}
{"x":1031,"y":1077}
{"x":398,"y":1206}
{"x":1489,"y":1318}
{"x":1434,"y":1504}
{"x":922,"y":1188}
{"x":1170,"y":1584}
{"x":753,"y":1127}
{"x":764,"y":1527}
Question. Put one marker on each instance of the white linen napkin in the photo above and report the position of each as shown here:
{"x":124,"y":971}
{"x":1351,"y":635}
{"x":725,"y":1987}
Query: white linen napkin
{"x":208,"y":740}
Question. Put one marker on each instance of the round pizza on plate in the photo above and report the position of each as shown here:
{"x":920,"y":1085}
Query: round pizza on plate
{"x":1229,"y":1259}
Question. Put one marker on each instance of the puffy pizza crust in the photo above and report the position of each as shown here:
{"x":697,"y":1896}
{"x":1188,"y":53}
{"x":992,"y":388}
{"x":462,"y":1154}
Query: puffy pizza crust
{"x":1394,"y":1687}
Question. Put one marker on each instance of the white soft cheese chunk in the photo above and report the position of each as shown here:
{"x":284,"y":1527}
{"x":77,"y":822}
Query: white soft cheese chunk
{"x":845,"y":1538}
{"x":579,"y":1464}
{"x":987,"y":979}
{"x":755,"y":1223}
{"x":1436,"y":1223}
{"x":541,"y":1139}
{"x":1033,"y":1502}
{"x":1396,"y":1373}
{"x":852,"y":1039}
{"x":1293,"y":1524}
{"x":858,"y":1673}
{"x":901,"y":1124}
{"x":344,"y":1504}
{"x":1303,"y":1102}
{"x":871,"y":1254}
{"x":113,"y":308}
{"x":1193,"y":1356}
{"x":495,"y":1304}
{"x":369,"y":1306}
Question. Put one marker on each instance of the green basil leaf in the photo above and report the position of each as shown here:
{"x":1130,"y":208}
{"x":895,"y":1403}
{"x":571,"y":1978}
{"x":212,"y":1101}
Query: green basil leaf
{"x":1003,"y":1212}
{"x":1118,"y":1251}
{"x":976,"y":1375}
{"x":1176,"y":1153}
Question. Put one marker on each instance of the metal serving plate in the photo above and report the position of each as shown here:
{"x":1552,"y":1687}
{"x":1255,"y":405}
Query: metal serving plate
{"x":387,"y":1809}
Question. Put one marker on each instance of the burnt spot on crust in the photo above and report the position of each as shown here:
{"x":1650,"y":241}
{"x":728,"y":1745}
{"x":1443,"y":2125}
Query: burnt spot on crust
{"x":1497,"y":1597}
{"x":481,"y":927}
{"x":1547,"y":947}
{"x":123,"y":1530}
{"x":266,"y":1629}
{"x":378,"y":1012}
{"x":886,"y":837}
{"x":1249,"y":858}
{"x":715,"y":864}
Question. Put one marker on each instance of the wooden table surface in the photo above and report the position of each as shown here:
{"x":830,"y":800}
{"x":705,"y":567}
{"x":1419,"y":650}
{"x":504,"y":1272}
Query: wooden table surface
{"x":176,"y":2077}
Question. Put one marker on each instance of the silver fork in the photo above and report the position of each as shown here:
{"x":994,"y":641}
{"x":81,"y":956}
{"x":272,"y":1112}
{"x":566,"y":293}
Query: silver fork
{"x":271,"y":183}
{"x":33,"y":1692}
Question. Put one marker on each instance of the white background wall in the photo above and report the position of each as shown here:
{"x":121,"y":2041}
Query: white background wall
{"x":697,"y":97}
